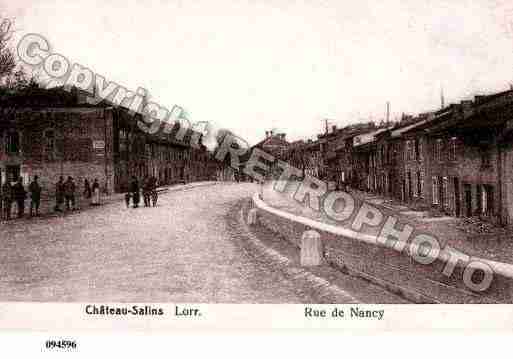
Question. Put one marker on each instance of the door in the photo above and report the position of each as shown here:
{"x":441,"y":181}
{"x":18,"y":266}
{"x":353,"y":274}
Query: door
{"x":441,"y":193}
{"x":410,"y":188}
{"x":468,"y":200}
{"x":457,"y":205}
{"x":390,"y":186}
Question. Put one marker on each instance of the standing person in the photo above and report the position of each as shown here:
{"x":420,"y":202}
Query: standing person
{"x":134,"y":190}
{"x":154,"y":194}
{"x":146,"y":190}
{"x":69,"y":193}
{"x":127,"y":199}
{"x":35,"y":196}
{"x":96,"y":193}
{"x":59,"y":194}
{"x":1,"y":200}
{"x":7,"y":199}
{"x":88,"y":192}
{"x":20,"y":195}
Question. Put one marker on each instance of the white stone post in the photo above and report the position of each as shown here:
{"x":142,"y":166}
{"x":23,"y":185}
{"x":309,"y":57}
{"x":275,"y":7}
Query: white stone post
{"x":311,"y":249}
{"x":252,"y":216}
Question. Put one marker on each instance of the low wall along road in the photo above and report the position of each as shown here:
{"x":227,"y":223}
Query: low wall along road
{"x":361,"y":254}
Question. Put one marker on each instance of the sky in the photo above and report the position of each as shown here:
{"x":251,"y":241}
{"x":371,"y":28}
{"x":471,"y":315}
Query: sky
{"x":250,"y":66}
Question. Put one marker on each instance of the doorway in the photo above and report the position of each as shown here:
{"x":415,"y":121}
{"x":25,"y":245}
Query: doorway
{"x":457,"y":205}
{"x":410,"y":188}
{"x":468,"y":200}
{"x":441,"y":194}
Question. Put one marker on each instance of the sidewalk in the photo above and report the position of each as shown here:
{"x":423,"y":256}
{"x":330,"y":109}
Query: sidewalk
{"x":467,"y":235}
{"x":83,"y":204}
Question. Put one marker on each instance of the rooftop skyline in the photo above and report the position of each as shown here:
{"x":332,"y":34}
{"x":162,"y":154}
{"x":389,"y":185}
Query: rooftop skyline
{"x":251,"y":66}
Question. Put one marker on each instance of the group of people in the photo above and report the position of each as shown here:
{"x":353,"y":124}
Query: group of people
{"x":65,"y":196}
{"x":149,"y":192}
{"x":10,"y":194}
{"x":65,"y":193}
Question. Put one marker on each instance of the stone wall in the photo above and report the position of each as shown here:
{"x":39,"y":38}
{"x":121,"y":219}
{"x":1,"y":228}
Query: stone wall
{"x":397,"y":271}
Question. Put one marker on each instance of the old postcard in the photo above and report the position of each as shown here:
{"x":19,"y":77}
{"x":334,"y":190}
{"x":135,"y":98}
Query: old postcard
{"x":270,"y":164}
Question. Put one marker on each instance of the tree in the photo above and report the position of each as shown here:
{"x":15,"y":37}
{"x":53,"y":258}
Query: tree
{"x":7,"y":58}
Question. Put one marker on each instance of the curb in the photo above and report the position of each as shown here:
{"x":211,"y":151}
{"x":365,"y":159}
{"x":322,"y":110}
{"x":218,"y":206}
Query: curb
{"x":320,"y":286}
{"x":502,"y":291}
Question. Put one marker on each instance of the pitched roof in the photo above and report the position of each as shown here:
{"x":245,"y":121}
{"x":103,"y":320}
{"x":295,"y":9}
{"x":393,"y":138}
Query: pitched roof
{"x":273,"y":141}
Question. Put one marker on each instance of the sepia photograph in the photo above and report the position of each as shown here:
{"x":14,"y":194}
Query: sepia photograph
{"x":164,"y":161}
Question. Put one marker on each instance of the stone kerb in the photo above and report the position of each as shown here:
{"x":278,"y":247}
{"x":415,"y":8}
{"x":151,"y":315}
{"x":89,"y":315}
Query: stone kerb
{"x":365,"y":254}
{"x":311,"y":249}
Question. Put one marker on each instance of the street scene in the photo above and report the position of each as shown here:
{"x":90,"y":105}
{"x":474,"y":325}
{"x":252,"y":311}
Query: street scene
{"x":187,"y":249}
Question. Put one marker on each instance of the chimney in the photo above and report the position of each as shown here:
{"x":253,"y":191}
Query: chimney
{"x":334,"y":128}
{"x":266,"y":134}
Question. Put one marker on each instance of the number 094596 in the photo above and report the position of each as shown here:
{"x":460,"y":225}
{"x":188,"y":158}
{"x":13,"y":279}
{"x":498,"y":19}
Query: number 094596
{"x":60,"y":344}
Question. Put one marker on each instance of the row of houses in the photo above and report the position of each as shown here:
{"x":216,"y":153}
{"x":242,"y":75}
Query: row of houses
{"x":52,"y":133}
{"x":457,"y":160}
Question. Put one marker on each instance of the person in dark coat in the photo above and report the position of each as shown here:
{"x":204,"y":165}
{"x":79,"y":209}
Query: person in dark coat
{"x":7,"y":199}
{"x":146,"y":190}
{"x":59,"y":194}
{"x":135,"y":191}
{"x":35,"y":196}
{"x":96,"y":193}
{"x":1,"y":199}
{"x":127,"y":199}
{"x":88,"y":192}
{"x":20,"y":195}
{"x":153,"y":191}
{"x":69,"y":193}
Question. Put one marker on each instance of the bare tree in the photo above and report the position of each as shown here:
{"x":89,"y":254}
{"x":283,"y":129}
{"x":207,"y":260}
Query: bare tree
{"x":7,"y":58}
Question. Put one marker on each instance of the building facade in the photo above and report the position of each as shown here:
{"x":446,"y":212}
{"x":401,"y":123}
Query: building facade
{"x":52,"y":133}
{"x":457,"y":160}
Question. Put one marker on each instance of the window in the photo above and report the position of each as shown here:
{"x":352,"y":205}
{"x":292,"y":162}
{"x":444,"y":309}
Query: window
{"x":453,"y":150}
{"x":435,"y":187}
{"x":445,"y":192}
{"x":123,"y":140}
{"x":438,"y":150}
{"x":12,"y":142}
{"x":419,"y":184}
{"x":486,"y":157}
{"x":418,"y":147}
{"x":408,"y":150}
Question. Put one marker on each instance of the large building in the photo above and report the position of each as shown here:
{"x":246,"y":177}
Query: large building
{"x":52,"y":133}
{"x":273,"y":143}
{"x":305,"y":156}
{"x":458,"y":160}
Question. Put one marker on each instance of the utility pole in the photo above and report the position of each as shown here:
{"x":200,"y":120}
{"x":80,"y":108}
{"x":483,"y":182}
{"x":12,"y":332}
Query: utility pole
{"x":442,"y":99}
{"x":388,"y":112}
